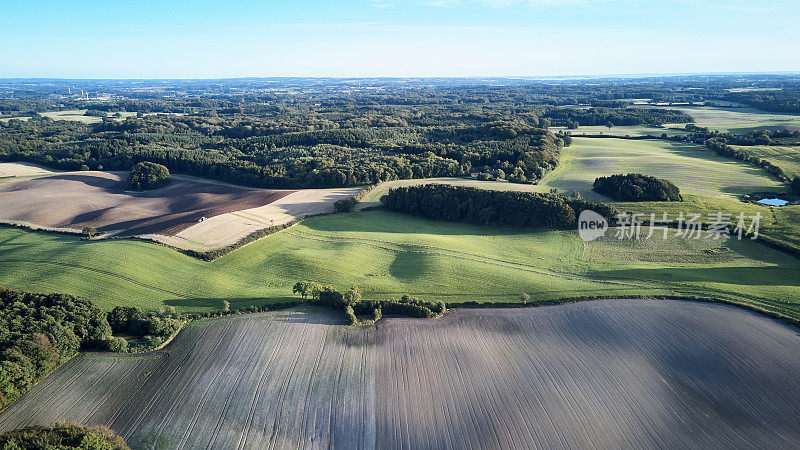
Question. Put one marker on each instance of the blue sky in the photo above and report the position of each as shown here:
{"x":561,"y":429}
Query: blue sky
{"x":209,"y":39}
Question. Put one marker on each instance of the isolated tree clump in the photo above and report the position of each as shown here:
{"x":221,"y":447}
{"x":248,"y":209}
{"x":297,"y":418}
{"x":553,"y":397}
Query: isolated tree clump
{"x":146,"y":176}
{"x":635,"y":187}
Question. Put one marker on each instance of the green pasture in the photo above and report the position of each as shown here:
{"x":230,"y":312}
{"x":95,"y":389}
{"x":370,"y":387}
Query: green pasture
{"x":735,"y":120}
{"x":624,"y":130}
{"x":785,"y":157}
{"x":389,"y":254}
{"x":693,"y":168}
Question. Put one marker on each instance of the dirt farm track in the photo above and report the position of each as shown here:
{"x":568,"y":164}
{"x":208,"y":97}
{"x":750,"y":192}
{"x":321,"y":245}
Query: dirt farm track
{"x":613,"y":373}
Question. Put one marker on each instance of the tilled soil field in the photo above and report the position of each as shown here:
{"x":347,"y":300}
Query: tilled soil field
{"x":614,"y":373}
{"x":98,"y":199}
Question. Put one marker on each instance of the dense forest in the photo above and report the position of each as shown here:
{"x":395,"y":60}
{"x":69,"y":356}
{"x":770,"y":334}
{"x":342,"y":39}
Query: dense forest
{"x":289,"y":153}
{"x":296,"y":133}
{"x":522,"y":210}
{"x":635,"y":187}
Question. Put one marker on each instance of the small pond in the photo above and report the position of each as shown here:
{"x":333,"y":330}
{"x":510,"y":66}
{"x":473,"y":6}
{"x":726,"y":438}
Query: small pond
{"x":773,"y":201}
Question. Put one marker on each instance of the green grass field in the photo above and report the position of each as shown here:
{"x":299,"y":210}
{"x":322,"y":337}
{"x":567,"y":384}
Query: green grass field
{"x":626,"y":130}
{"x":735,"y":120}
{"x":387,"y":255}
{"x":693,"y":168}
{"x":785,"y":157}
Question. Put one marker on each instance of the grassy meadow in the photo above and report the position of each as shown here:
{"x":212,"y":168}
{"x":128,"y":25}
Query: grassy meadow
{"x":693,"y":168}
{"x":735,"y":120}
{"x":388,"y":254}
{"x":624,"y":130}
{"x":785,"y":157}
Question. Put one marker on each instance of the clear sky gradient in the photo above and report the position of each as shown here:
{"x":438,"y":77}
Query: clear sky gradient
{"x":235,"y":38}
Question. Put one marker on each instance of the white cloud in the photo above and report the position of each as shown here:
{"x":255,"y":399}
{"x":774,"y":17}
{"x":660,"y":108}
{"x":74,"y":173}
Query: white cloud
{"x":380,"y":4}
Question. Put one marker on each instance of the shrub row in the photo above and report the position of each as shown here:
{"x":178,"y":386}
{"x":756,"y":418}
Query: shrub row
{"x":723,"y":149}
{"x":211,"y":255}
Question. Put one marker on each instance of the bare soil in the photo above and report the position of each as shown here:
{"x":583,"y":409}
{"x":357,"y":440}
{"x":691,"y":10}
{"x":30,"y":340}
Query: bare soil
{"x":98,"y":199}
{"x":603,"y":374}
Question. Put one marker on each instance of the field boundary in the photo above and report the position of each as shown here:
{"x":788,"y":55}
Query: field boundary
{"x":211,"y":255}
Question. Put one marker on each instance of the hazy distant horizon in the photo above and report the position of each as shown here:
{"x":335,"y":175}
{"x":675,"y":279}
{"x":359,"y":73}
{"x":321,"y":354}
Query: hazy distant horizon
{"x":454,"y":77}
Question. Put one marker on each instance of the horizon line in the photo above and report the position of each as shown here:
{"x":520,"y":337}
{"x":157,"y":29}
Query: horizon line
{"x":413,"y":77}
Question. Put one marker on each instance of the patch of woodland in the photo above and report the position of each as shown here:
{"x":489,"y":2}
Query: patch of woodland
{"x":635,"y":187}
{"x":507,"y":209}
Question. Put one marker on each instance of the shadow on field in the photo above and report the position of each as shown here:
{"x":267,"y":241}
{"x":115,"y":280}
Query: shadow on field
{"x":731,"y":275}
{"x":382,"y":221}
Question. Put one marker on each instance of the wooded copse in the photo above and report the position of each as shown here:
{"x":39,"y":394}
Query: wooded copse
{"x":146,"y":176}
{"x":39,"y":332}
{"x":62,"y":436}
{"x":635,"y":187}
{"x":509,"y":209}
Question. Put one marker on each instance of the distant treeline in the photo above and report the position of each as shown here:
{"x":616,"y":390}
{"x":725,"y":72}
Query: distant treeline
{"x":635,"y":187}
{"x":754,"y":137}
{"x":779,"y":100}
{"x":574,"y":117}
{"x":523,"y":210}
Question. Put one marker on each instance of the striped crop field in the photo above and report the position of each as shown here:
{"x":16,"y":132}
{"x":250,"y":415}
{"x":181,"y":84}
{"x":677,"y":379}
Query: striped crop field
{"x":611,"y":373}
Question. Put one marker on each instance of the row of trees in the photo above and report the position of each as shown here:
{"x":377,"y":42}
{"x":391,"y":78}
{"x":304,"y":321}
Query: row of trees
{"x":572,"y":117}
{"x":353,"y":305}
{"x":508,"y":209}
{"x":635,"y":187}
{"x":723,"y":149}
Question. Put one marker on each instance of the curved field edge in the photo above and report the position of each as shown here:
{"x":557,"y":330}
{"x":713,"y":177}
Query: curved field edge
{"x":612,"y":373}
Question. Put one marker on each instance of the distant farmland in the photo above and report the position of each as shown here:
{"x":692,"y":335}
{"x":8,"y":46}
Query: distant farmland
{"x":693,"y":168}
{"x":618,"y":373}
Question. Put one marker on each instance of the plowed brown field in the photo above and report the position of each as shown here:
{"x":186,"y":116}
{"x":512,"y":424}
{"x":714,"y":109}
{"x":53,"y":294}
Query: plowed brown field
{"x":98,"y":199}
{"x":608,"y":374}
